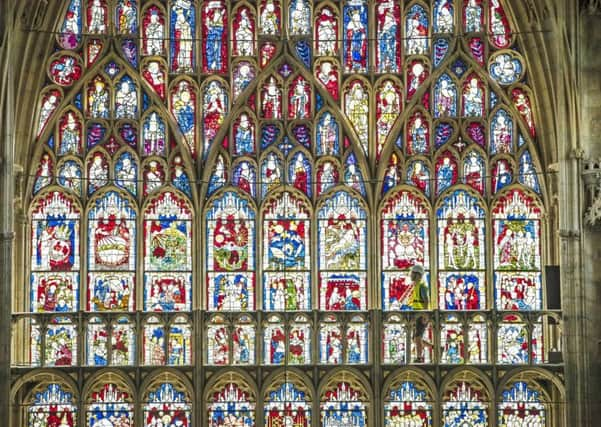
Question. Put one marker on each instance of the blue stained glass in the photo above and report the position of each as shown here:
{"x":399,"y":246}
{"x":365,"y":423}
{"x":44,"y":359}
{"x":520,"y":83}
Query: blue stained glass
{"x":445,"y":97}
{"x":405,"y":405}
{"x":444,"y":16}
{"x":127,"y":17}
{"x":519,"y":402}
{"x":245,"y":177}
{"x":464,"y":407}
{"x":528,"y":174}
{"x":303,"y":50}
{"x":269,"y":134}
{"x":318,"y":102}
{"x":71,"y":29}
{"x":459,"y":68}
{"x":183,"y":23}
{"x":50,"y":141}
{"x":302,"y":133}
{"x":126,"y":172}
{"x":521,"y":140}
{"x":494,"y":99}
{"x":443,"y":133}
{"x":145,"y":101}
{"x":96,"y":133}
{"x":129,"y":133}
{"x":112,"y":69}
{"x":286,"y":145}
{"x":181,"y":181}
{"x":440,"y":51}
{"x":355,"y":55}
{"x":353,"y":176}
{"x":327,"y":138}
{"x":77,"y":101}
{"x":130,"y":51}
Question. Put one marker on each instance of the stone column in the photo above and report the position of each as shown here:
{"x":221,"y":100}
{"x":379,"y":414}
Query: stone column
{"x":6,"y":204}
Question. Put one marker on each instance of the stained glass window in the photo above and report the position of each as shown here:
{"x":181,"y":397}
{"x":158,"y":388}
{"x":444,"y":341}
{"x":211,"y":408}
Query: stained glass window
{"x":249,"y":185}
{"x":52,"y":406}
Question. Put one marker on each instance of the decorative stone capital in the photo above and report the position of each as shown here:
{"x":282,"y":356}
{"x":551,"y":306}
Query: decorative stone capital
{"x":591,"y":174}
{"x":590,"y":7}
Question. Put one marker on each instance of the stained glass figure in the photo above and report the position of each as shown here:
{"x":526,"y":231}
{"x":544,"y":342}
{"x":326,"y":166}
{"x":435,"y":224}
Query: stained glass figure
{"x":343,"y":405}
{"x":271,"y":173}
{"x":98,"y":99}
{"x":327,"y":176}
{"x":244,"y":177}
{"x":327,"y":74}
{"x":96,"y":342}
{"x":393,"y":174}
{"x":353,"y":177}
{"x":153,"y":342}
{"x":274,"y":342}
{"x":416,"y":31}
{"x":327,"y":135}
{"x":464,"y":406}
{"x":154,"y":73}
{"x":287,"y":405}
{"x":44,"y":174}
{"x":244,"y":135}
{"x":230,"y":249}
{"x":388,"y":35}
{"x":109,"y":405}
{"x":179,"y":347}
{"x":244,"y":72}
{"x":49,"y":102}
{"x":326,"y":32}
{"x":521,"y":405}
{"x":342,"y":253}
{"x":167,"y":403}
{"x":528,"y":175}
{"x":501,"y":133}
{"x":500,"y":33}
{"x":356,"y":108}
{"x":506,"y":68}
{"x":167,"y":254}
{"x":473,"y":97}
{"x":477,"y":335}
{"x":394,"y":343}
{"x":405,"y":242}
{"x":61,"y":343}
{"x":231,"y":405}
{"x":521,"y":101}
{"x":512,"y":341}
{"x":65,"y":70}
{"x":112,"y":226}
{"x":243,"y":342}
{"x":271,"y":17}
{"x":452,"y":342}
{"x":52,"y":406}
{"x":271,"y":99}
{"x":330,"y":342}
{"x":355,"y":36}
{"x":299,"y":99}
{"x":461,"y":232}
{"x":357,"y":346}
{"x":123,"y":342}
{"x":299,"y":342}
{"x":388,"y":108}
{"x":407,"y":404}
{"x":446,"y":172}
{"x":444,"y":21}
{"x":243,"y":25}
{"x":98,"y":172}
{"x":300,"y":173}
{"x":214,"y":36}
{"x":70,"y":176}
{"x":417,"y":73}
{"x":218,"y":343}
{"x":299,"y":18}
{"x":473,"y":16}
{"x":126,"y":99}
{"x":474,"y":171}
{"x":126,"y":20}
{"x":419,"y":176}
{"x":445,"y":97}
{"x":153,"y":31}
{"x":183,"y":107}
{"x":418,"y":134}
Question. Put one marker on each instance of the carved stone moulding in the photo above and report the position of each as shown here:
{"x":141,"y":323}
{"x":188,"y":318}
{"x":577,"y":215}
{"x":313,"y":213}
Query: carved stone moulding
{"x":591,"y":174}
